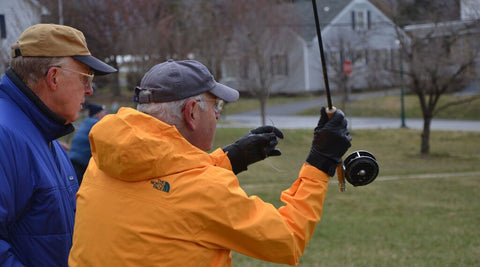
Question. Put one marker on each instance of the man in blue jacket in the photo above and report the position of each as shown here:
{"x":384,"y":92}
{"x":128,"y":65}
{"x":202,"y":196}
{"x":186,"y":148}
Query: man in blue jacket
{"x":80,"y":152}
{"x":50,"y":73}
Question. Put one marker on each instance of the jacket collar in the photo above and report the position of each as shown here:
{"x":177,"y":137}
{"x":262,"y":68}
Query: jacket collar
{"x":49,"y":124}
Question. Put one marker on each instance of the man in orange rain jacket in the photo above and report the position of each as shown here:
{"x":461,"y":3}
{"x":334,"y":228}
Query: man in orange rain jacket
{"x":152,"y":196}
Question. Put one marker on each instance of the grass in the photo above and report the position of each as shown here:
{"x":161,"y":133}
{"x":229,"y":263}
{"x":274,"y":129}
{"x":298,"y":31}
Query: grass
{"x":250,"y":103}
{"x":401,"y":219}
{"x":390,"y":107}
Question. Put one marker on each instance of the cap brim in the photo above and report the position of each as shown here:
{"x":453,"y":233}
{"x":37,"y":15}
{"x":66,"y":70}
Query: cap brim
{"x":224,"y":92}
{"x":100,"y":67}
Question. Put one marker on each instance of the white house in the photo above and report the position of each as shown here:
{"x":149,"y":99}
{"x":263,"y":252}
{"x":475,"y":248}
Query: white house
{"x":15,"y":17}
{"x":352,"y":30}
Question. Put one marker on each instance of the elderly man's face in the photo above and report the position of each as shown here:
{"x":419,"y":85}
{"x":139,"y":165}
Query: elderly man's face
{"x":74,"y":82}
{"x":209,"y":118}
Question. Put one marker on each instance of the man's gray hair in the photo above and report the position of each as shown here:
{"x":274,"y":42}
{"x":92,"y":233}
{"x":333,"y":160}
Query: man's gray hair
{"x":32,"y":69}
{"x":169,"y":112}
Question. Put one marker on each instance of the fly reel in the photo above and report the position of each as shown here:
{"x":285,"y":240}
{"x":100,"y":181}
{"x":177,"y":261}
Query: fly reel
{"x":359,"y":168}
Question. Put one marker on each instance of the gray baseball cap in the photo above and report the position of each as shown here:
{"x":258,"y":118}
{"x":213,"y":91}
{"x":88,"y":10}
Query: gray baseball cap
{"x":176,"y":80}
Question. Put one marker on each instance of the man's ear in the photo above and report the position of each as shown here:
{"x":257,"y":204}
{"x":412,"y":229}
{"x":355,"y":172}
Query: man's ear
{"x":52,"y":78}
{"x":190,"y":114}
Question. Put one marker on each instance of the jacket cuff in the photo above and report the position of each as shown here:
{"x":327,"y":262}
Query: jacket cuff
{"x":322,"y":163}
{"x":308,"y":170}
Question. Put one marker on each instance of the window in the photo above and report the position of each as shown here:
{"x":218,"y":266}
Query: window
{"x":3,"y":28}
{"x":360,"y":58}
{"x":279,"y":65}
{"x":361,"y":20}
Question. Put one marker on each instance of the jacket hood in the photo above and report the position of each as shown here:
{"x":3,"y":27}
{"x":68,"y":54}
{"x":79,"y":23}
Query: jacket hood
{"x":133,"y":146}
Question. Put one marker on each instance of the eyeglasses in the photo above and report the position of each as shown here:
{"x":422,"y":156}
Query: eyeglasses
{"x":219,"y":104}
{"x":88,"y":77}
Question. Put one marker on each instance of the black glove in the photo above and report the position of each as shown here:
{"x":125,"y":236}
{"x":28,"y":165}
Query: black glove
{"x":254,"y":146}
{"x":331,"y":140}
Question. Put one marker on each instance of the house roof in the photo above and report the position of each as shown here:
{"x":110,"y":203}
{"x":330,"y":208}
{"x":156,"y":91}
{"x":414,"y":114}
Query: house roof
{"x":43,"y":9}
{"x":327,"y":10}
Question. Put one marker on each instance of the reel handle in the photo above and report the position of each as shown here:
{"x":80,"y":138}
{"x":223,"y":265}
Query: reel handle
{"x":341,"y":177}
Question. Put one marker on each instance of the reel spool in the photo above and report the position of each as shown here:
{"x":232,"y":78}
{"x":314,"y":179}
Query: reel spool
{"x":360,"y":168}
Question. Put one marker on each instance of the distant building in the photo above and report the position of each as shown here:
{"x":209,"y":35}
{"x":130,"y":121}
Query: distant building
{"x":352,"y":30}
{"x":15,"y":17}
{"x":465,"y":32}
{"x":470,"y":9}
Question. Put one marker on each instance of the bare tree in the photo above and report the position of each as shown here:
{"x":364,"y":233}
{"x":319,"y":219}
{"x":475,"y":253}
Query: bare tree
{"x":340,"y":51}
{"x":210,"y":30}
{"x":441,"y":59}
{"x":150,"y":39}
{"x":110,"y":27}
{"x":137,"y":34}
{"x":260,"y":47}
{"x":134,"y":33}
{"x":438,"y":58}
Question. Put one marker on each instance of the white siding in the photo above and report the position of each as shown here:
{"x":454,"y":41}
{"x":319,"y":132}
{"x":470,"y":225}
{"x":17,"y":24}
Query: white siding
{"x":470,"y":9}
{"x":19,"y":15}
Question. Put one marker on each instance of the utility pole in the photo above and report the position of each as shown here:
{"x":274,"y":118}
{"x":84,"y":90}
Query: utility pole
{"x":60,"y":12}
{"x":402,"y":102}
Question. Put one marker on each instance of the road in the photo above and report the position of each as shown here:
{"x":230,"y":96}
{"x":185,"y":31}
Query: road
{"x":309,"y":122}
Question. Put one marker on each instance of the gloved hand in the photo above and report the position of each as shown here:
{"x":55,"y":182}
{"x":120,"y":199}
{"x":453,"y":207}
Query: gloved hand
{"x":254,"y":146}
{"x":331,"y":140}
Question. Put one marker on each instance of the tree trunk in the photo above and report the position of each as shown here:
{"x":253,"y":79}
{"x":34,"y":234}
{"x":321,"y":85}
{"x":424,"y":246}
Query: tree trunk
{"x":425,"y":144}
{"x":115,"y":79}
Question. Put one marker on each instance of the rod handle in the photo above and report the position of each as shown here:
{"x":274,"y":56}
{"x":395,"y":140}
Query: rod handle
{"x":330,"y":111}
{"x":340,"y":172}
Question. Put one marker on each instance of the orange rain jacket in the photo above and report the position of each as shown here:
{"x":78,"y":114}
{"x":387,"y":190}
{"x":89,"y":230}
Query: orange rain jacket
{"x":150,"y":198}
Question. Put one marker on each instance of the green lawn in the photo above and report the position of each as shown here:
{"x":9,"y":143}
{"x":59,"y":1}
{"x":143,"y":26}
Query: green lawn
{"x":250,"y":103}
{"x":390,"y":107}
{"x":404,"y":218}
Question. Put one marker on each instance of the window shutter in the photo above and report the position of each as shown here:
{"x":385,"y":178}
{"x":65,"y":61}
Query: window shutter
{"x":3,"y":28}
{"x":369,"y":20}
{"x":353,"y":20}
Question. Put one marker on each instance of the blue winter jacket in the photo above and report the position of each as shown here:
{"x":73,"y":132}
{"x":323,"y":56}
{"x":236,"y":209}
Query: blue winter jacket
{"x":37,"y":181}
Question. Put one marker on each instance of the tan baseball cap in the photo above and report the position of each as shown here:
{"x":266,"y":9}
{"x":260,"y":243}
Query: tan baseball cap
{"x":53,"y":40}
